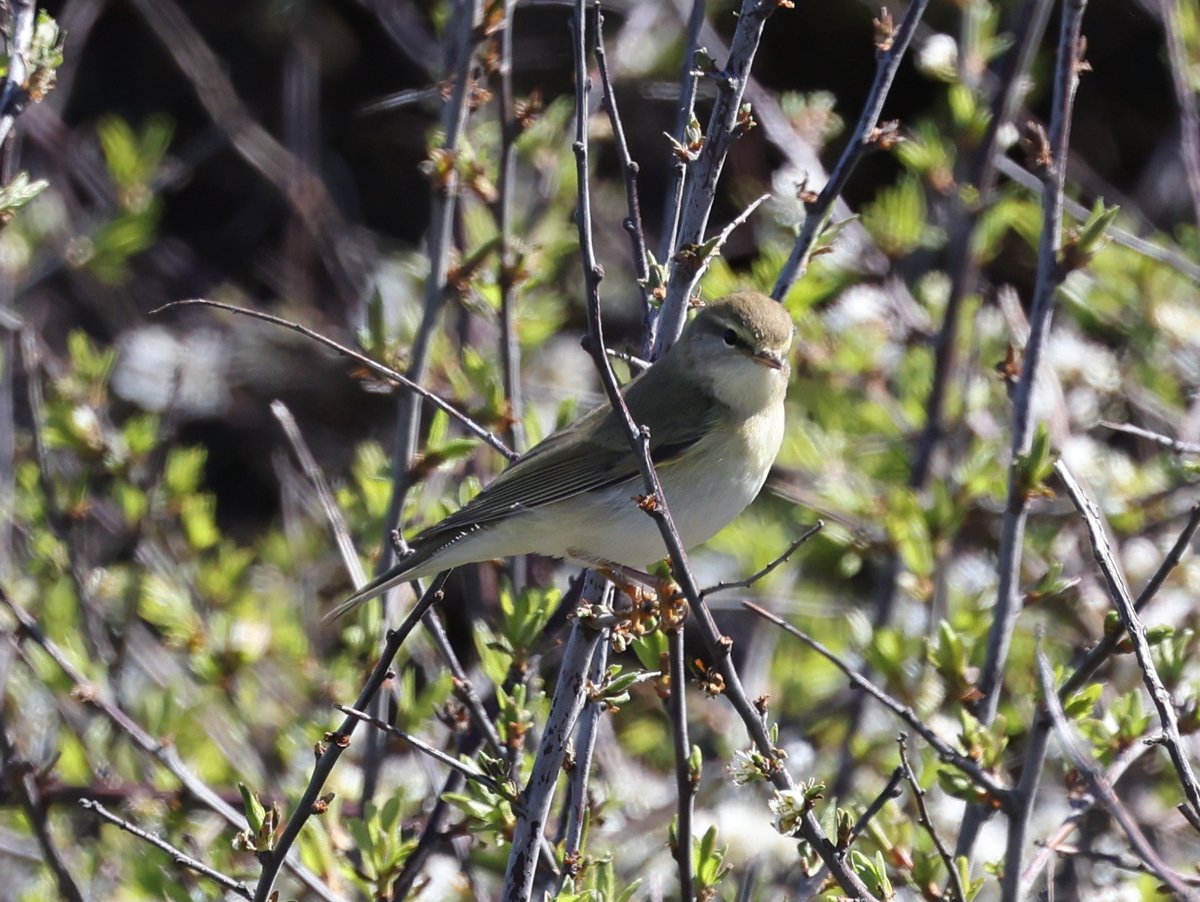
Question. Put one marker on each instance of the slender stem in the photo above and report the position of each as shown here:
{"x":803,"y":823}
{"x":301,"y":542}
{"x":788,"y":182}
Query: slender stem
{"x":963,"y":266}
{"x":629,"y":168}
{"x":997,"y":793}
{"x":178,"y":856}
{"x":923,"y":818}
{"x":443,"y":201}
{"x":861,"y":140}
{"x":1046,"y":850}
{"x":689,"y":78}
{"x":1086,"y":765}
{"x":510,"y":348}
{"x":338,"y":742}
{"x":575,"y":804}
{"x":779,"y":561}
{"x":1118,"y":591}
{"x":686,"y":782}
{"x":378,"y":368}
{"x":329,"y":506}
{"x":422,"y":746}
{"x":1049,"y":275}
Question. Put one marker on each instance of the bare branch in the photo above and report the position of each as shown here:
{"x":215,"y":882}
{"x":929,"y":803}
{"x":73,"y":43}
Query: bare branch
{"x":861,"y":140}
{"x":1049,"y":275}
{"x":779,"y":561}
{"x":945,"y":751}
{"x":960,"y":892}
{"x":335,"y":743}
{"x":1086,"y":766}
{"x":177,"y":855}
{"x":1118,"y":591}
{"x":378,"y":368}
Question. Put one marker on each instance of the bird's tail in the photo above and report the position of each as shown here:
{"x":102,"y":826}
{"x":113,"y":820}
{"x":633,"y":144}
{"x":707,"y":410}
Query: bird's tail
{"x":393,"y":576}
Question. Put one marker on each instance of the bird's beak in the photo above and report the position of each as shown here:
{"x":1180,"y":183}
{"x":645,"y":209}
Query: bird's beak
{"x":769,"y":358}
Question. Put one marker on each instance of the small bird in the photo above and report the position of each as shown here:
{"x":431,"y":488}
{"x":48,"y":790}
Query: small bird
{"x":714,"y":407}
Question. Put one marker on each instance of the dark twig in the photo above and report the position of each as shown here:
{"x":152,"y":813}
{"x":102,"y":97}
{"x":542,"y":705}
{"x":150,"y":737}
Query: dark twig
{"x":510,"y":348}
{"x":378,"y":368}
{"x":862,"y":139}
{"x":1119,"y":593}
{"x":963,"y":266}
{"x":334,"y":744}
{"x":21,"y":777}
{"x":890,"y":791}
{"x":779,"y":561}
{"x":575,"y":804}
{"x":701,"y":188}
{"x":177,"y":855}
{"x":1049,"y":275}
{"x":923,"y":819}
{"x":1123,"y":237}
{"x":1102,"y":649}
{"x":1086,"y":765}
{"x":463,"y":687}
{"x":689,"y":77}
{"x":421,"y":745}
{"x":945,"y":751}
{"x":1159,"y":439}
{"x":1025,"y":792}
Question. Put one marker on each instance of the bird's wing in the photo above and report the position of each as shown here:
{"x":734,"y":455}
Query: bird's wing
{"x":593,"y":455}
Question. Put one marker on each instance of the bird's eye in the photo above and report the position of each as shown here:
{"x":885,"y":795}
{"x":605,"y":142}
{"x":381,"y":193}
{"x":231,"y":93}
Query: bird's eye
{"x":730,"y":338}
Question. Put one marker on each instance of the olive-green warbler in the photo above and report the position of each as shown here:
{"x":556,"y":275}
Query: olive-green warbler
{"x":714,"y":407}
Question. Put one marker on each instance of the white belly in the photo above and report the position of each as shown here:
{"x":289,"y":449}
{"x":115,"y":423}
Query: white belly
{"x":704,"y":492}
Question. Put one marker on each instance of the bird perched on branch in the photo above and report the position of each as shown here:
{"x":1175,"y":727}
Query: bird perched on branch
{"x":713,"y":405}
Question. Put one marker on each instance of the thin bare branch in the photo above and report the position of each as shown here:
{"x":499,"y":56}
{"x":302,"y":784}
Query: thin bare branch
{"x":335,"y":743}
{"x":178,"y":856}
{"x":923,"y":819}
{"x":701,"y":187}
{"x":945,"y":751}
{"x":333,"y":513}
{"x":1118,"y":591}
{"x":1159,"y":439}
{"x":378,"y":368}
{"x":421,"y":745}
{"x":779,"y":561}
{"x":1049,"y":275}
{"x":1086,"y":765}
{"x":862,"y":139}
{"x":569,"y":699}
